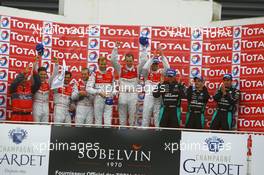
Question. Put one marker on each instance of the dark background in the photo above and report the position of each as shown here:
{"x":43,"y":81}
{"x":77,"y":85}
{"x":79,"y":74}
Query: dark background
{"x":162,"y":162}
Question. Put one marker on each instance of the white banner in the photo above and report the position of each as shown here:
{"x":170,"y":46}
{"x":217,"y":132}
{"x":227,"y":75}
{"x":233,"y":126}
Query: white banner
{"x":24,"y":149}
{"x":256,"y":166}
{"x":213,"y":154}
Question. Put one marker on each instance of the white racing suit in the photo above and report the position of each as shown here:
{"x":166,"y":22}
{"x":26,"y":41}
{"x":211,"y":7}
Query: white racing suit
{"x":152,"y":79}
{"x":98,"y":83}
{"x":62,"y":100}
{"x":41,"y":99}
{"x":128,"y":81}
{"x":84,"y":109}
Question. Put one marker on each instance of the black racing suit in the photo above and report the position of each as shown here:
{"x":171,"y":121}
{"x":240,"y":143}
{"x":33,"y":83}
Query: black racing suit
{"x":226,"y":106}
{"x":196,"y":106}
{"x":171,"y":94}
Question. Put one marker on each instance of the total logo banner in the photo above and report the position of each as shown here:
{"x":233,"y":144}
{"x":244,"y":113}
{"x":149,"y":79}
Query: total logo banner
{"x":169,"y":32}
{"x":213,"y":153}
{"x":209,"y":51}
{"x":252,"y":30}
{"x":252,"y":57}
{"x":219,"y":33}
{"x":117,"y":31}
{"x":23,"y":149}
{"x":245,"y":123}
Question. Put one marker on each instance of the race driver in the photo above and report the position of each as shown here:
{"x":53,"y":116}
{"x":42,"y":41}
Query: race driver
{"x":128,"y":81}
{"x":197,"y":96}
{"x":171,"y":92}
{"x":84,"y":109}
{"x":101,"y":85}
{"x":41,"y":97}
{"x":22,"y":90}
{"x":226,"y":98}
{"x":63,"y":96}
{"x":153,"y":75}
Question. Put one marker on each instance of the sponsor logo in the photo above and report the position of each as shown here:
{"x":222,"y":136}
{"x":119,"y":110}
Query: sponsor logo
{"x":251,"y":57}
{"x":126,"y":31}
{"x":251,"y":110}
{"x":5,"y":35}
{"x":93,"y":43}
{"x":2,"y":100}
{"x":235,"y":83}
{"x":235,"y":71}
{"x":68,"y":43}
{"x":194,"y":71}
{"x":47,"y":40}
{"x":69,"y":55}
{"x":125,"y":45}
{"x":249,"y":31}
{"x":196,"y":46}
{"x":217,"y":59}
{"x":2,"y":114}
{"x":196,"y":59}
{"x":17,"y":135}
{"x":245,"y":70}
{"x":215,"y":144}
{"x":94,"y":30}
{"x":2,"y":87}
{"x":47,"y":53}
{"x":5,"y":22}
{"x":236,"y":58}
{"x":217,"y":46}
{"x":252,"y":96}
{"x":93,"y":55}
{"x":170,"y":46}
{"x":145,"y":32}
{"x":218,"y":32}
{"x":252,"y":123}
{"x":3,"y":74}
{"x":251,"y":83}
{"x":237,"y":32}
{"x":4,"y":48}
{"x":246,"y":44}
{"x":47,"y":28}
{"x":3,"y":61}
{"x":25,"y":38}
{"x":236,"y":45}
{"x":196,"y":34}
{"x":215,"y":72}
{"x":135,"y":153}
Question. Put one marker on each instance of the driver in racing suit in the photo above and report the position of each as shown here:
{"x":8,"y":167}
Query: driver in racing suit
{"x":84,"y":109}
{"x":153,"y":75}
{"x":128,"y":81}
{"x":226,"y":97}
{"x":171,"y":93}
{"x":197,"y":96}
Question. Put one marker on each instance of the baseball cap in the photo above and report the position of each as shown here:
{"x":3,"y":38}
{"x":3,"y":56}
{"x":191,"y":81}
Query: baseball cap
{"x":198,"y":77}
{"x":227,"y":76}
{"x":40,"y":48}
{"x":144,"y":41}
{"x":170,"y":73}
{"x":155,"y":60}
